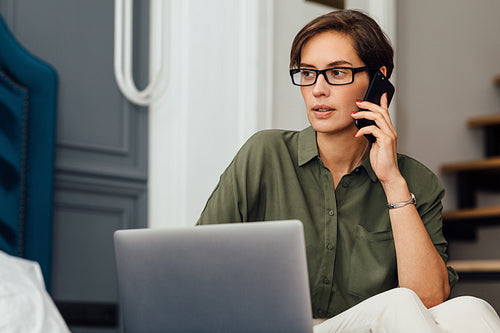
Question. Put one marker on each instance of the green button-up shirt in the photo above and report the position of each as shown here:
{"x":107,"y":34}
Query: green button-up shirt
{"x":279,"y":175}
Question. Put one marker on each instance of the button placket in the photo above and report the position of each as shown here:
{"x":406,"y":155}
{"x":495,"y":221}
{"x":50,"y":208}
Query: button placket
{"x":326,"y":272}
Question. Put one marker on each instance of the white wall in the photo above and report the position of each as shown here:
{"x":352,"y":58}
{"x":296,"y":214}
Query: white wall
{"x":218,"y":94}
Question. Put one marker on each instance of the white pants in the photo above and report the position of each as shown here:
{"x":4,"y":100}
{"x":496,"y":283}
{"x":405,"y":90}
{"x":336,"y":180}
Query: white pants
{"x":400,"y":310}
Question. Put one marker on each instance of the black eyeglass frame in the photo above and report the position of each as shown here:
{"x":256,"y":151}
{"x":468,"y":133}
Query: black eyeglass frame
{"x":318,"y":72}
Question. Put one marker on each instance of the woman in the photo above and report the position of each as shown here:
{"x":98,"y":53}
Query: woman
{"x":372,"y":217}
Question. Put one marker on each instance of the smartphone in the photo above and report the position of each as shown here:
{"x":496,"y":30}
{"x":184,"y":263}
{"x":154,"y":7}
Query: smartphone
{"x":379,"y":85}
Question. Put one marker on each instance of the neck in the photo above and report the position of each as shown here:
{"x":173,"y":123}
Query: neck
{"x":342,"y":154}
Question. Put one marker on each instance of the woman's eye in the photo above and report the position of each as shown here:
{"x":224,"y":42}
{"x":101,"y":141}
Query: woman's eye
{"x":307,"y":74}
{"x":337,"y":73}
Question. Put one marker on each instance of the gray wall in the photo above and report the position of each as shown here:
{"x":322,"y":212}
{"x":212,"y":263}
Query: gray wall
{"x":447,"y":55}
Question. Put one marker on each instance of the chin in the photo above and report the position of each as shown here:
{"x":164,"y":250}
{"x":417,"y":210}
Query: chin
{"x":335,"y":128}
{"x":325,"y":129}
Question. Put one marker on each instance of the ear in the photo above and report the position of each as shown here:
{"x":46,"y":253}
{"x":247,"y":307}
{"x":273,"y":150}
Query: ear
{"x":383,"y":69}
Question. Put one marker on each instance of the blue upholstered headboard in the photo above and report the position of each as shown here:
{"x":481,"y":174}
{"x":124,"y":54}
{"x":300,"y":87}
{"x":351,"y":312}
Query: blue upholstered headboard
{"x":28,"y":97}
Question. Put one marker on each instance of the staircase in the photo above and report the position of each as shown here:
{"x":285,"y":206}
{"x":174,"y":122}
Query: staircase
{"x":472,"y":177}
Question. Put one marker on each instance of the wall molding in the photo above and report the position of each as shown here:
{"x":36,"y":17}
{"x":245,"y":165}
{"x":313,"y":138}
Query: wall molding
{"x":126,"y":133}
{"x":119,"y":147}
{"x":127,"y":162}
{"x":104,"y":185}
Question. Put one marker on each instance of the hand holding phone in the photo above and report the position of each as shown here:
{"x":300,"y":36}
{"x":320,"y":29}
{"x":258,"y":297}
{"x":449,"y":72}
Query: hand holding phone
{"x":379,"y":85}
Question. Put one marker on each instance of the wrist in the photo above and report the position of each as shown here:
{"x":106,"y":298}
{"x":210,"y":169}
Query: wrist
{"x":394,"y":182}
{"x":396,"y":190}
{"x":401,"y":204}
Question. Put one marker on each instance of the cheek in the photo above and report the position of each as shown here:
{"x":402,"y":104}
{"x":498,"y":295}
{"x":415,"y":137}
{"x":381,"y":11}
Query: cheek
{"x":349,"y":96}
{"x":303,"y":92}
{"x":347,"y":99}
{"x":306,"y":95}
{"x":362,"y":87}
{"x":357,"y":93}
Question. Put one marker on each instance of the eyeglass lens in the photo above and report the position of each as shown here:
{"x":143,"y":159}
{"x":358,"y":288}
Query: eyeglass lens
{"x":335,"y":76}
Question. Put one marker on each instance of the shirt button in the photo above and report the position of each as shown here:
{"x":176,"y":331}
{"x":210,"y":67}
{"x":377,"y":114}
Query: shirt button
{"x":326,"y":280}
{"x":329,"y":246}
{"x":345,"y":185}
{"x":331,"y":212}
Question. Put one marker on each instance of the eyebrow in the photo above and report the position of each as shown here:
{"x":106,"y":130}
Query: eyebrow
{"x":331,"y":64}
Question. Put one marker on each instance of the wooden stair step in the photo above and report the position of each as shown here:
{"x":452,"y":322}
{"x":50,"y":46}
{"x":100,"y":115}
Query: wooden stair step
{"x":475,"y":266}
{"x":496,"y":80}
{"x":483,"y":121}
{"x":472,"y":213}
{"x":492,"y":163}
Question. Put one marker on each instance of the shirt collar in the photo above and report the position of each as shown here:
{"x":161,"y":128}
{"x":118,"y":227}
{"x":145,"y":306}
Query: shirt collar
{"x":368,"y":167}
{"x":308,"y":148}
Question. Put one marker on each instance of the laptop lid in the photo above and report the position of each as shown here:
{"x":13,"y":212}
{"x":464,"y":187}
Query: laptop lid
{"x":239,"y":277}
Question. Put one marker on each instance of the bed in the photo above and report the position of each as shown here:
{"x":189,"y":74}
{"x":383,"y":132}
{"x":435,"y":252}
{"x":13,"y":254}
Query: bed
{"x":28,"y":97}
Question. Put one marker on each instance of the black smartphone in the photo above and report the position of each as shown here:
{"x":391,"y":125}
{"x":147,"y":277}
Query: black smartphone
{"x":379,"y":85}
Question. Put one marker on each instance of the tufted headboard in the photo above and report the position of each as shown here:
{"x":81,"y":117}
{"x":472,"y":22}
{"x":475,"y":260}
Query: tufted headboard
{"x":28,"y":101}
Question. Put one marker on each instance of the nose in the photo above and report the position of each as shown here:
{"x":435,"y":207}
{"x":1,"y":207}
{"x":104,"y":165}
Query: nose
{"x":321,"y":87}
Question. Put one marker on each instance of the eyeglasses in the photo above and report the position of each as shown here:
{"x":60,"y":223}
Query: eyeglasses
{"x":336,"y":76}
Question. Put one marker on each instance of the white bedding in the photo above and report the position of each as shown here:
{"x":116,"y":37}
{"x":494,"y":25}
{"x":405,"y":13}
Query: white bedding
{"x":25,"y":305}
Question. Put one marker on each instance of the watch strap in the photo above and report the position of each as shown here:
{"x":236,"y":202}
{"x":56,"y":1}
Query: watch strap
{"x":404,"y":203}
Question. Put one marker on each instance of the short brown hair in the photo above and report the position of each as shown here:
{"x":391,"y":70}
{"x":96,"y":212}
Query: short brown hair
{"x":369,"y":41}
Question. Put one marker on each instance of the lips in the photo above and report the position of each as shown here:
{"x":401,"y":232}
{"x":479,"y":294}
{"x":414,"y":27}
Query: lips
{"x":322,"y":108}
{"x":322,"y":111}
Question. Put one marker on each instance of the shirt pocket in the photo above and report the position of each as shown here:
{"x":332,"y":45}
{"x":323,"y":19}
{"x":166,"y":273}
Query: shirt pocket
{"x":373,"y":263}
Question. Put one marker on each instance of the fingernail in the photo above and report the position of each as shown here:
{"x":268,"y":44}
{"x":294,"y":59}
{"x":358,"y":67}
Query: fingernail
{"x":353,"y":112}
{"x":358,"y":101}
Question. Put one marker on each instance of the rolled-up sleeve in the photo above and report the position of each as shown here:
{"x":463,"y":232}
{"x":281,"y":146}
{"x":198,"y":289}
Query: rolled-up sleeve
{"x":429,"y":193}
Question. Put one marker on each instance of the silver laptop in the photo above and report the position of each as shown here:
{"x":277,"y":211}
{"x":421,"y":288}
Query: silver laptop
{"x":244,"y":277}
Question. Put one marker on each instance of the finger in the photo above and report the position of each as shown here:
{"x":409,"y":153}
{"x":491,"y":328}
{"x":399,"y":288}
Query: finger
{"x":384,"y":104}
{"x":367,"y":130}
{"x":376,"y":109}
{"x":384,"y":101}
{"x":379,"y":119}
{"x":364,"y":105}
{"x":383,"y":138}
